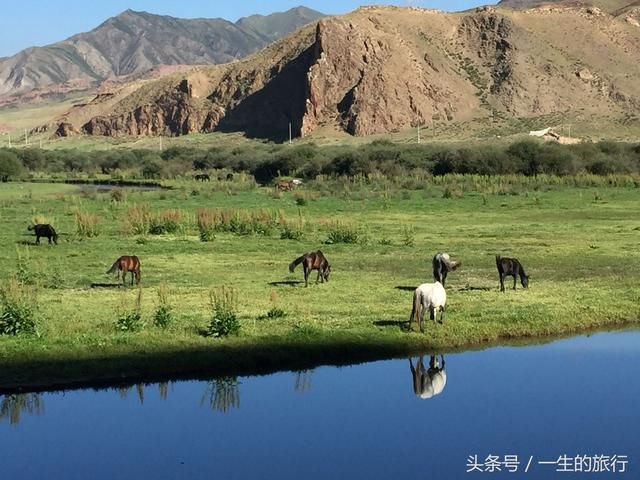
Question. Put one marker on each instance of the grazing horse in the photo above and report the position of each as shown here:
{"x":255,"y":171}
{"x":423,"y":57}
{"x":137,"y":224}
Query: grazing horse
{"x":44,"y":230}
{"x":442,"y":264}
{"x":127,"y":263}
{"x":203,"y":177}
{"x":431,"y":297}
{"x":284,"y":185}
{"x":511,"y":266}
{"x":428,"y":383}
{"x":313,"y":261}
{"x":229,"y":177}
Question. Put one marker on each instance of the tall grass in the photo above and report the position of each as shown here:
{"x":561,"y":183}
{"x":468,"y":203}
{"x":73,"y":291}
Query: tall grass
{"x":237,"y":221}
{"x":224,"y":321}
{"x":87,"y":224}
{"x":18,"y":307}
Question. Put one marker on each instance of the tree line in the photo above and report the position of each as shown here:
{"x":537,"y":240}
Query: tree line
{"x":268,"y":161}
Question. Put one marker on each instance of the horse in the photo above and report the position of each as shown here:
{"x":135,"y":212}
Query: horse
{"x":511,"y":266}
{"x":284,"y":185}
{"x":44,"y":230}
{"x":124,"y":264}
{"x":313,"y":261}
{"x":428,"y":296}
{"x":203,"y":177}
{"x":442,"y":264}
{"x":428,"y":383}
{"x":229,"y":177}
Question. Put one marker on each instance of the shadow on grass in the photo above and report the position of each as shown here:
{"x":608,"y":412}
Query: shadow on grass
{"x":401,"y":324}
{"x":291,"y":283}
{"x":471,"y":288}
{"x":106,"y":285}
{"x":405,"y":288}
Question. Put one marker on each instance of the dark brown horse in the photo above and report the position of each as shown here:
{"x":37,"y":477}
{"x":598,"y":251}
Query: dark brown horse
{"x":511,"y":267}
{"x":127,"y":263}
{"x":313,"y":261}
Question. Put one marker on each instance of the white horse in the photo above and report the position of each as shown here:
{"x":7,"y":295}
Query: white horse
{"x":431,"y":297}
{"x":430,"y":382}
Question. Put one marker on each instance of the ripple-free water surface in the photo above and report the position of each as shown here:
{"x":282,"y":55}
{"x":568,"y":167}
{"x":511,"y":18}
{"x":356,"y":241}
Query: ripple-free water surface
{"x":572,"y":397}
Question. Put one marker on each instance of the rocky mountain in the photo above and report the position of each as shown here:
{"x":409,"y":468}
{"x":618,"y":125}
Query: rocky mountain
{"x":134,"y":42}
{"x":383,"y":69}
{"x":610,"y":6}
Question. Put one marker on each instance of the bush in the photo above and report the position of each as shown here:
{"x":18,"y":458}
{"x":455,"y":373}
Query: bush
{"x":118,"y":195}
{"x":224,"y":321}
{"x":167,"y":221}
{"x":273,"y":314}
{"x":206,"y":221}
{"x":341,"y":233}
{"x":408,"y":236}
{"x":10,"y":166}
{"x":87,"y":224}
{"x":163,"y":315}
{"x":18,"y":306}
{"x":131,"y":320}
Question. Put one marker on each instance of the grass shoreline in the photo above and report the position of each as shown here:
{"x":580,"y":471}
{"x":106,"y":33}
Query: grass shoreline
{"x":577,"y":241}
{"x":124,"y":368}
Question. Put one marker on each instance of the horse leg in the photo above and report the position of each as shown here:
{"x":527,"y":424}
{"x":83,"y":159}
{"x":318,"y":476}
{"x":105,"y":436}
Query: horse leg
{"x":318,"y":277}
{"x":37,"y":240}
{"x":501,"y":282}
{"x":306,"y":276}
{"x":514,"y":282}
{"x":442,"y":314}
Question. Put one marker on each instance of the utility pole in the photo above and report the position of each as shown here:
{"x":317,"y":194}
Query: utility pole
{"x":289,"y":133}
{"x":26,"y":138}
{"x":160,"y":142}
{"x":40,"y":144}
{"x":418,"y":133}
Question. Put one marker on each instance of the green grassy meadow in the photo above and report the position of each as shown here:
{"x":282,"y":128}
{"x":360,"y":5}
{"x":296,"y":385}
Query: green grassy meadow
{"x":579,"y":245}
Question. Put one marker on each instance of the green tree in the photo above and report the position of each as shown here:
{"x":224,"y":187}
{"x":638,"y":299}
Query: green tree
{"x":10,"y":166}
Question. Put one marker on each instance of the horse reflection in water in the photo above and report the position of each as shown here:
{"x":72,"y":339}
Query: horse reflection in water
{"x":428,"y":382}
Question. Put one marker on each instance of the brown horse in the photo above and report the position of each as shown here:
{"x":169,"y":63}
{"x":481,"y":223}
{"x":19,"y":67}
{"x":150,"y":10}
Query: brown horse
{"x":313,"y":261}
{"x":284,"y":186}
{"x":127,"y":263}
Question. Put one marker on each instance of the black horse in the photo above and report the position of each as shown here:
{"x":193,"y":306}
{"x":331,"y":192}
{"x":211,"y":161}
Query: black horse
{"x":511,"y":266}
{"x":203,"y":177}
{"x":44,"y":230}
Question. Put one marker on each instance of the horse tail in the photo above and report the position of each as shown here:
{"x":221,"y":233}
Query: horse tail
{"x":295,"y":263}
{"x":114,"y":267}
{"x":415,"y":310}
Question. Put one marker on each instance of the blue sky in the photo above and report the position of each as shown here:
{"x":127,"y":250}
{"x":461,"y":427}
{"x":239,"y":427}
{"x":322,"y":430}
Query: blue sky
{"x":40,"y":22}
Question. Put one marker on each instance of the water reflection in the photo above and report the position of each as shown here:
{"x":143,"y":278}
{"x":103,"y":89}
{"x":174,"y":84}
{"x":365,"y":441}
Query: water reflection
{"x":222,"y":394}
{"x":13,"y":406}
{"x":303,"y":381}
{"x":428,"y":382}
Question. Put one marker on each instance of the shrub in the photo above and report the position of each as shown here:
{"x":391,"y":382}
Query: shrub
{"x":341,"y":233}
{"x":87,"y":224}
{"x":118,"y":195}
{"x":18,"y":306}
{"x":291,"y":232}
{"x":163,"y":315}
{"x":408,"y":239}
{"x":167,"y":221}
{"x":131,"y":320}
{"x":273,"y":314}
{"x":137,"y":219}
{"x":224,"y":321}
{"x":206,"y":221}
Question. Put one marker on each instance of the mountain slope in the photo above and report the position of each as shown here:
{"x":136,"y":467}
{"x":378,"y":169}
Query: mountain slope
{"x":609,"y":6}
{"x":383,"y":69}
{"x":134,"y":42}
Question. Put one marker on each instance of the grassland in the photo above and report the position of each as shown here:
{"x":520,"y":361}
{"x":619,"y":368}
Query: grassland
{"x":578,"y":243}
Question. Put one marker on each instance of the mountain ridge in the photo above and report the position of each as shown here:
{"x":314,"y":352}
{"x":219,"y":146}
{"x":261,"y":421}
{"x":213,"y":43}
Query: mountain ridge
{"x":382,"y":69}
{"x":133,"y":42}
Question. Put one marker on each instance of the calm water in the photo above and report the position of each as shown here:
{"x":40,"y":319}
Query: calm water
{"x":572,"y":397}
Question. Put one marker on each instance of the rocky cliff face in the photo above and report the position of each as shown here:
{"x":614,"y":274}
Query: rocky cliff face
{"x":385,"y":69}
